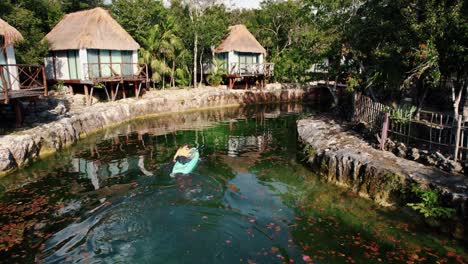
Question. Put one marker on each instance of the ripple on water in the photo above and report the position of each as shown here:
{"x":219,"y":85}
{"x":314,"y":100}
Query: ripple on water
{"x":179,"y":223}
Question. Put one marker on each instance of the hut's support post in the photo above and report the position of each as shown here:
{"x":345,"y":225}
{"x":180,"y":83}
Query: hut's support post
{"x":86,"y":92}
{"x":70,"y":89}
{"x":135,"y":88}
{"x":246,"y":83}
{"x":112,"y":91}
{"x":91,"y":96}
{"x":117,"y":91}
{"x":139,"y":90}
{"x":107,"y":94}
{"x":19,"y":113}
{"x":124,"y":92}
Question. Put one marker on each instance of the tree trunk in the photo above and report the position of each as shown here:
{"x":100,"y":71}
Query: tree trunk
{"x":421,"y":99}
{"x":456,"y":100}
{"x":332,"y":91}
{"x":421,"y":102}
{"x":465,"y":106}
{"x":201,"y":68}
{"x":195,"y":61}
{"x":172,"y":74}
{"x":164,"y":74}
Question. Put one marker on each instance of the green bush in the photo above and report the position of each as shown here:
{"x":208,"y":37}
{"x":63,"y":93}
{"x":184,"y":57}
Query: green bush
{"x":216,"y":73}
{"x":429,"y":204}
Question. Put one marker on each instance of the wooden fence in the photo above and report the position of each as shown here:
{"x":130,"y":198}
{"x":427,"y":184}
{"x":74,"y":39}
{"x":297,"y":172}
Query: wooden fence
{"x":431,"y":131}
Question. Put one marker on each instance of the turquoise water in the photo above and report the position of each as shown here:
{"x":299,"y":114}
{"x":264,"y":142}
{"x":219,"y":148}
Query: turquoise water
{"x":110,"y":199}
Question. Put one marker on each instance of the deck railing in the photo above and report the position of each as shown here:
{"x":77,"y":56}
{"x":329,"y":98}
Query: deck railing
{"x":21,"y":80}
{"x":115,"y":71}
{"x":242,"y":69}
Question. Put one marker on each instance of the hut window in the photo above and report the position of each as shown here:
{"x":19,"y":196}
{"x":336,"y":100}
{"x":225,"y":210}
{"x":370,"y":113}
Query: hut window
{"x":93,"y":63}
{"x":247,"y":58}
{"x":105,"y":61}
{"x":127,"y":59}
{"x":223,"y":57}
{"x":73,"y":62}
{"x":116,"y":58}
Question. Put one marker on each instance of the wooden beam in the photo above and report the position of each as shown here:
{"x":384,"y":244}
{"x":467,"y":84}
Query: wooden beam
{"x":19,"y":113}
{"x":86,"y":92}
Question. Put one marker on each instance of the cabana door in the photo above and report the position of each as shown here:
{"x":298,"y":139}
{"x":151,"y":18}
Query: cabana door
{"x":4,"y":74}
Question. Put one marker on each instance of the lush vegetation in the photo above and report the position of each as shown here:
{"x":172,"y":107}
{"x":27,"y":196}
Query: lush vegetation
{"x":389,"y":49}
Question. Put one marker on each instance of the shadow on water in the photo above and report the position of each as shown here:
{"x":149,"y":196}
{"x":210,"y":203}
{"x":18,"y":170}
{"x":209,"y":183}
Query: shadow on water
{"x":109,"y":199}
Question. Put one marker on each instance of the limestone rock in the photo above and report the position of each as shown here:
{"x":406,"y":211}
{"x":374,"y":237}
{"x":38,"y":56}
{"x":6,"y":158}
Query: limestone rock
{"x":7,"y":162}
{"x":414,"y":154}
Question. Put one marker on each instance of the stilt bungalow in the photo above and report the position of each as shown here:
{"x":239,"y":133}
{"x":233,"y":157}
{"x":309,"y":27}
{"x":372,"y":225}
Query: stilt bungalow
{"x":90,"y":49}
{"x":17,"y":81}
{"x":243,"y":57}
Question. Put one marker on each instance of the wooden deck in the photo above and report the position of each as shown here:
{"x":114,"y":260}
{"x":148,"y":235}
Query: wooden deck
{"x":114,"y":76}
{"x":250,"y":72}
{"x":21,"y":81}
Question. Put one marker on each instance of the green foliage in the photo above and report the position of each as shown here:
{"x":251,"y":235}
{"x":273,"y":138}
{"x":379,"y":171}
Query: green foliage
{"x":138,"y":17}
{"x":403,"y":114}
{"x":429,"y":204}
{"x":183,"y":76}
{"x":59,"y":86}
{"x":216,"y":73}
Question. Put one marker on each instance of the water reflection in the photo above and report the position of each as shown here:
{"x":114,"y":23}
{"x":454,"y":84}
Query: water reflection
{"x":110,"y":200}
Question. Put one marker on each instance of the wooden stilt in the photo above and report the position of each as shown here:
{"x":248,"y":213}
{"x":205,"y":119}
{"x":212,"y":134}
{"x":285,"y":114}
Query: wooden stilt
{"x":19,"y":113}
{"x":117,"y":91}
{"x":135,"y":88}
{"x":246,"y":83}
{"x":124,"y":93}
{"x":139,"y":90}
{"x":91,"y":96}
{"x":112,"y":91}
{"x":70,"y":89}
{"x":86,"y":92}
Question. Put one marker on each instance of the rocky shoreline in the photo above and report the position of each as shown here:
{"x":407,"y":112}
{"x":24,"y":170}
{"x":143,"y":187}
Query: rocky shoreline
{"x":343,"y":158}
{"x":21,"y":148}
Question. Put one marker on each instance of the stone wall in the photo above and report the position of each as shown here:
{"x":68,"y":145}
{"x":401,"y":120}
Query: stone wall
{"x":19,"y":149}
{"x":341,"y":157}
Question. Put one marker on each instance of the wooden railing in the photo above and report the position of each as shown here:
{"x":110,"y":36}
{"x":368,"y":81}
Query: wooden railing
{"x":115,"y":71}
{"x":432,"y":130}
{"x":266,"y":69}
{"x":22,"y":80}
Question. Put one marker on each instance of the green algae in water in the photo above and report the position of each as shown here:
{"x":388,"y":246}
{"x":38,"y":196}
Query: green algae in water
{"x":110,"y":199}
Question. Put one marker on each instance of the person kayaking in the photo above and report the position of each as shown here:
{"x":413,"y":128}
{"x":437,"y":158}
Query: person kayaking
{"x":185,"y":159}
{"x":183,"y":154}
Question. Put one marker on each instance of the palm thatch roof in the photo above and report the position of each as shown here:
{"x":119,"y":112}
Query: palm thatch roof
{"x":90,"y":29}
{"x":241,"y":40}
{"x":9,"y":34}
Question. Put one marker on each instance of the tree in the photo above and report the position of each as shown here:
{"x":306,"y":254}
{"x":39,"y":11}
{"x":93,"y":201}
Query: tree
{"x":138,"y":16}
{"x":196,"y":8}
{"x":159,"y":49}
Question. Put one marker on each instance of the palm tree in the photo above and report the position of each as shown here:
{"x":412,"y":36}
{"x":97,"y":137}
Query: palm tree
{"x":159,"y":50}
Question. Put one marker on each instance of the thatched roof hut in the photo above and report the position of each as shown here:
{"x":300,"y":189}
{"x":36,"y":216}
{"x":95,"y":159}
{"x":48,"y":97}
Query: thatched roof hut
{"x":9,"y":34}
{"x":90,"y":29}
{"x":240,"y":40}
{"x":90,"y":44}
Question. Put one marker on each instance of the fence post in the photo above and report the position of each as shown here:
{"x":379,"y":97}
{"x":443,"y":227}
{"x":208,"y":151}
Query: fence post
{"x":457,"y":137}
{"x":383,"y":138}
